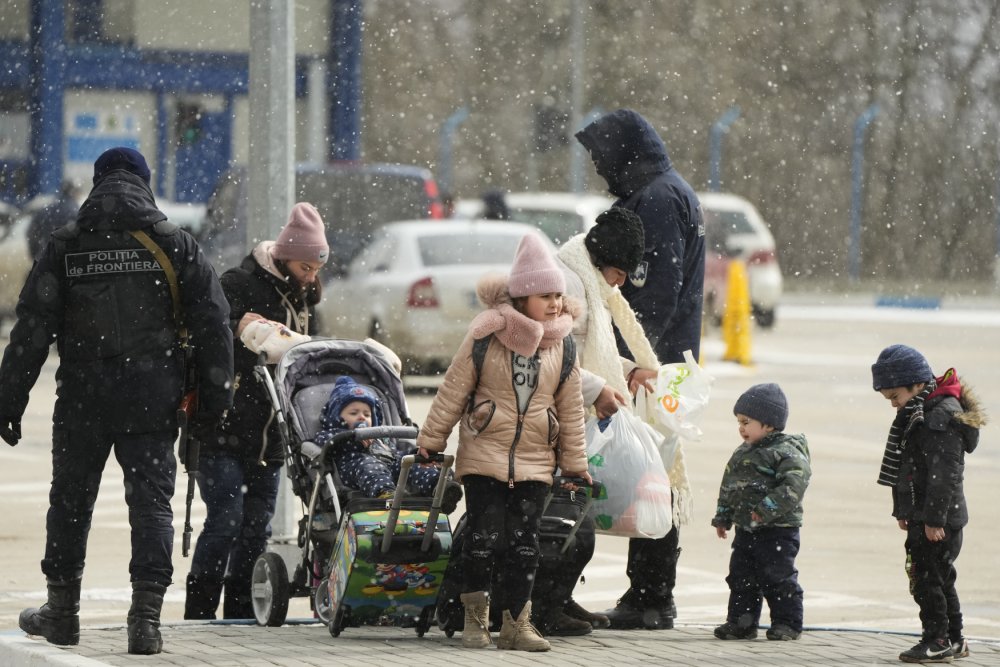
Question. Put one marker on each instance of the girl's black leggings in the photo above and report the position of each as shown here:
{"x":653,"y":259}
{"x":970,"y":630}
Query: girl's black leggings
{"x":503,"y":525}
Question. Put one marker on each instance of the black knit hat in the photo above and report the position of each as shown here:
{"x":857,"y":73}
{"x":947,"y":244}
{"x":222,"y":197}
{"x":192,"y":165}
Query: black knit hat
{"x":617,"y":239}
{"x":764,"y":402}
{"x":900,"y":366}
{"x":121,"y":157}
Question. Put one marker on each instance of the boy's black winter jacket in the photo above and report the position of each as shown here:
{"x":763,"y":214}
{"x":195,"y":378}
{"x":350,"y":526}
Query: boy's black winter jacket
{"x":929,"y":487}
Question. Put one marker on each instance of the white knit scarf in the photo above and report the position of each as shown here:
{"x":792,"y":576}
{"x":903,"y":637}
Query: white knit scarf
{"x":606,"y":305}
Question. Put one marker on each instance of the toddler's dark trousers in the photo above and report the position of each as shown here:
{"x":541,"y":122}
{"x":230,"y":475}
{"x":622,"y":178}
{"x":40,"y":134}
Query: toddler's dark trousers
{"x":931,"y":570}
{"x":762,"y":566}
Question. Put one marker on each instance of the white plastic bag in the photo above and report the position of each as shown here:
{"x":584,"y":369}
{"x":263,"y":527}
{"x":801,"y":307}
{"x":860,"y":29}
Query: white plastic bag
{"x":669,"y":440}
{"x":624,"y":458}
{"x":682,"y":392}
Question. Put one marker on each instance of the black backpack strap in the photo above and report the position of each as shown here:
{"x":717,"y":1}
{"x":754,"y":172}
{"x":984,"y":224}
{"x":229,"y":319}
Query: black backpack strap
{"x":480,"y":345}
{"x":569,"y":358}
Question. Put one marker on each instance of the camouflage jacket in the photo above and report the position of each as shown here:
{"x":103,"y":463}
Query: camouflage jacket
{"x":768,"y":478}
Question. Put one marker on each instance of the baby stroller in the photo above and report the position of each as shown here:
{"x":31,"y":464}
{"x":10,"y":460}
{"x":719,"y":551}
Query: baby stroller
{"x":362,"y":561}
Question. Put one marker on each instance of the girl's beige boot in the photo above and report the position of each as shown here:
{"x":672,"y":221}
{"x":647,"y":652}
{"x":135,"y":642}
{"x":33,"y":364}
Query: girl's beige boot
{"x":520,"y":634}
{"x":476,"y":633}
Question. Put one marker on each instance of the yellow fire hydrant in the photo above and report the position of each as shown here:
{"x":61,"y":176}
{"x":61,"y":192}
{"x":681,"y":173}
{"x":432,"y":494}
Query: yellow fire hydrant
{"x":736,"y":322}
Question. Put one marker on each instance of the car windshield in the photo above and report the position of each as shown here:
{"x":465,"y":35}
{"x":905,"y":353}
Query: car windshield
{"x":559,"y":226}
{"x":439,"y":250}
{"x":720,"y":225}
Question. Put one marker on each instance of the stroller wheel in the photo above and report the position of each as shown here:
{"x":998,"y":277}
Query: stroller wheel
{"x":321,"y":602}
{"x":269,"y":590}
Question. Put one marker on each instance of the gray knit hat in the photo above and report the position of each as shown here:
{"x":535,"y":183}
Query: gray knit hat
{"x":900,"y":366}
{"x":764,"y":402}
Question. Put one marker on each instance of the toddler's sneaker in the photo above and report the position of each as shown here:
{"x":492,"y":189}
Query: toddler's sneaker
{"x":781,"y":632}
{"x":730,"y":630}
{"x":960,"y":647}
{"x":929,"y":651}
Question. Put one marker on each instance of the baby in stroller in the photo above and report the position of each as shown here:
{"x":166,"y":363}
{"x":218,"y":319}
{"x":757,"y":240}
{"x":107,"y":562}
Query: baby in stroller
{"x":372,"y":466}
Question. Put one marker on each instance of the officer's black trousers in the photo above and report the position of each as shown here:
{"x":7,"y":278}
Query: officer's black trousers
{"x":149,"y":466}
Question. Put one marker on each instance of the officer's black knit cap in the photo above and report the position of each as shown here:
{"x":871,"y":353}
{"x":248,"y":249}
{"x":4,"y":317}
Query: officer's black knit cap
{"x":617,"y":239}
{"x":121,"y":157}
{"x":764,"y":402}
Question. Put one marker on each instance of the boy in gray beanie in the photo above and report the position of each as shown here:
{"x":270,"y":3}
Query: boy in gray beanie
{"x":937,"y":423}
{"x":761,"y":493}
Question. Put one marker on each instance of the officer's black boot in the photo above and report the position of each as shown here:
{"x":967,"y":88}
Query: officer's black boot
{"x":58,"y":619}
{"x":144,"y":618}
{"x":202,"y":598}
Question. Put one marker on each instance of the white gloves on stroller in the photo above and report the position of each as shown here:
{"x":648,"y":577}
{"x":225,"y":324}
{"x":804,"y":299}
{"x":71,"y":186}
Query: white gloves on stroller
{"x":270,"y":337}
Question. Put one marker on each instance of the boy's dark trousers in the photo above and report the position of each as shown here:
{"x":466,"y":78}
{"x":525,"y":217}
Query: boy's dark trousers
{"x":763,"y":566}
{"x":930,"y":567}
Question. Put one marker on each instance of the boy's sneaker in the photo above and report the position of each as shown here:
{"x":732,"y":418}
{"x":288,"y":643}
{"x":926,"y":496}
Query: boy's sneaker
{"x":781,"y":632}
{"x":960,"y":648}
{"x":929,"y":651}
{"x":730,"y":630}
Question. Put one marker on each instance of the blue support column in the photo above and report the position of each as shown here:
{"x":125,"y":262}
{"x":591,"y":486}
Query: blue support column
{"x":719,"y":128}
{"x":48,"y":65}
{"x":345,"y":80}
{"x":163,"y":118}
{"x":857,"y":173}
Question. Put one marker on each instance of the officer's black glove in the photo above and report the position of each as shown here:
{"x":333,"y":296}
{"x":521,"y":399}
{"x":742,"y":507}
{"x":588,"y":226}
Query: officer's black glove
{"x":205,"y":428}
{"x":10,"y":430}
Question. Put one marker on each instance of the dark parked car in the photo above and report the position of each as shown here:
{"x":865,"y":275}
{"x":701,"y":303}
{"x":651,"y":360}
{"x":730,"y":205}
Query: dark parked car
{"x":354,"y":199}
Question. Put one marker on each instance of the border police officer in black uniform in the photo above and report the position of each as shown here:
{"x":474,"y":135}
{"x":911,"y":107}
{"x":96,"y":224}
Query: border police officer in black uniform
{"x":105,"y":300}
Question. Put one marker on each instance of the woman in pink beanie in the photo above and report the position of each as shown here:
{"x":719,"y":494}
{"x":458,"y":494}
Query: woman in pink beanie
{"x":521,"y":422}
{"x":278,"y":281}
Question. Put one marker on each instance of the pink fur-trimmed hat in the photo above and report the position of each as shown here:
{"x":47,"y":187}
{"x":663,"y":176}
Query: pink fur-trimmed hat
{"x":534,"y":270}
{"x":303,"y":238}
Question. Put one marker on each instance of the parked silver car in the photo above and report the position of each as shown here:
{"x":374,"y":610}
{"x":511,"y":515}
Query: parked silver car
{"x":413,"y":288}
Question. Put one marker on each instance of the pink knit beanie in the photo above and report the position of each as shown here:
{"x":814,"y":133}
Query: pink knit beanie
{"x":534,"y":270}
{"x":303,"y":237}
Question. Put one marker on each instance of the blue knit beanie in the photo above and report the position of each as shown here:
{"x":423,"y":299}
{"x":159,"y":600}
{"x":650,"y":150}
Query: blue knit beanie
{"x":345,"y":391}
{"x":121,"y":157}
{"x":900,"y":366}
{"x":766,"y":403}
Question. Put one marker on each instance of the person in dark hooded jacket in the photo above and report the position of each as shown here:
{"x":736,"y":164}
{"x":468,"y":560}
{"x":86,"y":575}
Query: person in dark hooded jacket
{"x":666,"y":293}
{"x":239,"y":473}
{"x":103,"y":291}
{"x":937,"y":423}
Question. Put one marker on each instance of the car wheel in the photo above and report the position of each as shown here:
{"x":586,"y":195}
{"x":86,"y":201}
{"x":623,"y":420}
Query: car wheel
{"x":764,"y":317}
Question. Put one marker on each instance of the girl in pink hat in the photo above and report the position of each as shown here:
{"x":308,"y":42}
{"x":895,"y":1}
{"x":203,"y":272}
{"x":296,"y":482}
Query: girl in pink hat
{"x":519,"y":422}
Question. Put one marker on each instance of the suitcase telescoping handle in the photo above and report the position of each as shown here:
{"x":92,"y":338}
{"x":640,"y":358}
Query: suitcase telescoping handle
{"x":446,"y":460}
{"x":594,"y":492}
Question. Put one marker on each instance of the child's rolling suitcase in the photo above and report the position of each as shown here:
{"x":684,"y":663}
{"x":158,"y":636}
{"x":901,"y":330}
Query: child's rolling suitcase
{"x":388,"y":563}
{"x":566,"y":544}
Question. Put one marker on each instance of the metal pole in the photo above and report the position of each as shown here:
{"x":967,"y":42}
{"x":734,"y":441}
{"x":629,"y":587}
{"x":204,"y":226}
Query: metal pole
{"x":577,"y":27}
{"x":272,"y":119}
{"x":271,"y":174}
{"x":857,"y":164}
{"x":719,"y":128}
{"x":316,"y":148}
{"x":448,"y":129}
